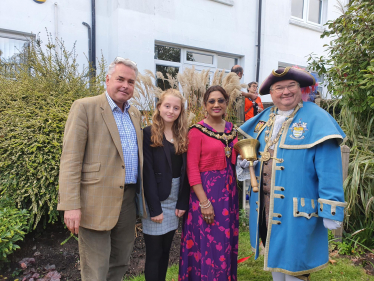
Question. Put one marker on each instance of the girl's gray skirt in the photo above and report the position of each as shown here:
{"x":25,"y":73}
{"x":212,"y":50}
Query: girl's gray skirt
{"x":170,"y":221}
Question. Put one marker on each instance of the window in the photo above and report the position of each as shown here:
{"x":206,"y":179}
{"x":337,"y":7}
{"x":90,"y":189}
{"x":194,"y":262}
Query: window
{"x":226,"y":62}
{"x":202,"y":58}
{"x":169,"y":60}
{"x":165,"y":70}
{"x":12,"y":42}
{"x":10,"y":47}
{"x":167,"y":53}
{"x":309,"y":11}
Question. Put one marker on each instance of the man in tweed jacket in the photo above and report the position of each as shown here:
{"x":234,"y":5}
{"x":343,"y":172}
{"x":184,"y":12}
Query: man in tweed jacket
{"x":101,"y":173}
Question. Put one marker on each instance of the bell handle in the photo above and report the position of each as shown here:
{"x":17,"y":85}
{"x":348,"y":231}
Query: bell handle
{"x":254,"y":183}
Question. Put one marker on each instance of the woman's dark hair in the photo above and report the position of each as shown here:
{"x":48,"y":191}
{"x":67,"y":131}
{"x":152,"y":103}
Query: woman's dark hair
{"x":213,"y":89}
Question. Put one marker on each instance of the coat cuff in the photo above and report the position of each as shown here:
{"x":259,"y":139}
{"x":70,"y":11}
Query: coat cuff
{"x":68,"y":206}
{"x":181,"y":205}
{"x":332,"y":210}
{"x":155,"y":210}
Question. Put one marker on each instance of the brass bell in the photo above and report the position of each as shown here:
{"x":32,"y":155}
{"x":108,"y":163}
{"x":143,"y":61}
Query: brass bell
{"x":247,"y":148}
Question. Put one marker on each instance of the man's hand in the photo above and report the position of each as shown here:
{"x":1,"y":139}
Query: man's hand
{"x":252,"y":96}
{"x":259,"y":109}
{"x":179,"y":213}
{"x":244,"y":164}
{"x":331,"y":224}
{"x":158,"y":218}
{"x":72,"y":219}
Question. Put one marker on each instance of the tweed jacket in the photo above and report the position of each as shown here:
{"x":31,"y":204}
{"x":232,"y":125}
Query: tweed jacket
{"x":306,"y":187}
{"x":92,"y":169}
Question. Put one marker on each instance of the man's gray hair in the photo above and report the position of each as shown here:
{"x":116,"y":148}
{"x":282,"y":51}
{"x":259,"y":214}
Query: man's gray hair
{"x":126,"y":62}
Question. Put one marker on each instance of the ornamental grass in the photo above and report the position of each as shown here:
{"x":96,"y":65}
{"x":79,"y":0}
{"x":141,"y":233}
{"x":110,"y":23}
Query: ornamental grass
{"x":37,"y":89}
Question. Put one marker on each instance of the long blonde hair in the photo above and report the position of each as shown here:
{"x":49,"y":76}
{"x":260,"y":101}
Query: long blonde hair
{"x":179,"y":128}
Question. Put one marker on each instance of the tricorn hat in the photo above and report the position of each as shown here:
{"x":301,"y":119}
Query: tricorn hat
{"x":304,"y":78}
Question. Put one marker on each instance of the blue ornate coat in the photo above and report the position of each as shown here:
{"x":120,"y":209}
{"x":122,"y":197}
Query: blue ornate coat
{"x":306,"y":186}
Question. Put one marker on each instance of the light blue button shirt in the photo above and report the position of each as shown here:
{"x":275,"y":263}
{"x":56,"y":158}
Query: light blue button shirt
{"x":128,"y":138}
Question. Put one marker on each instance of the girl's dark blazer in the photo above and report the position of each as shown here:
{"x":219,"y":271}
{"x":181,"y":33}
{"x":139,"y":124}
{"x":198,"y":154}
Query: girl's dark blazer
{"x":157,"y":176}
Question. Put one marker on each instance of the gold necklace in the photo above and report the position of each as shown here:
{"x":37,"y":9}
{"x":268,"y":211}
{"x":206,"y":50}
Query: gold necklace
{"x":223,"y":137}
{"x":265,"y":155}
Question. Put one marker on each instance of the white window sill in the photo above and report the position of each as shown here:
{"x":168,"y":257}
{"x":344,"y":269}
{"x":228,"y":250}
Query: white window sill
{"x":226,"y":2}
{"x":307,"y":25}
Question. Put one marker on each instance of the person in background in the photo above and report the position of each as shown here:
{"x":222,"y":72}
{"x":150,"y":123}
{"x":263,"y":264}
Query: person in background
{"x":253,"y":104}
{"x":100,"y":174}
{"x":238,"y":70}
{"x":209,"y":242}
{"x":166,"y":186}
{"x":300,"y":178}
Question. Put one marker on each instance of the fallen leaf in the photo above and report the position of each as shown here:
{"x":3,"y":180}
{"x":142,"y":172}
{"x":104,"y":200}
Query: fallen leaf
{"x":332,"y":261}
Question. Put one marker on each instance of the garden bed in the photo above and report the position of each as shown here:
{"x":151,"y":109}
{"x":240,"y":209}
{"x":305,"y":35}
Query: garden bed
{"x":53,"y":260}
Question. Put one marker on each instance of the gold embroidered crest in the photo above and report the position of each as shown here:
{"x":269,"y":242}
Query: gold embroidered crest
{"x":259,"y":126}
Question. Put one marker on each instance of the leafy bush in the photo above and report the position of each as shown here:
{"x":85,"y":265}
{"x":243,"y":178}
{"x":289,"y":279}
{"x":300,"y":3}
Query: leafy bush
{"x":12,"y":227}
{"x":349,"y":67}
{"x":349,"y":76}
{"x":37,"y":89}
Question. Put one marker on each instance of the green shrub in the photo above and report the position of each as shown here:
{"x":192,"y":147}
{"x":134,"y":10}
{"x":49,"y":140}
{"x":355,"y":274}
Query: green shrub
{"x":348,"y":69}
{"x":35,"y":99}
{"x":13,"y":223}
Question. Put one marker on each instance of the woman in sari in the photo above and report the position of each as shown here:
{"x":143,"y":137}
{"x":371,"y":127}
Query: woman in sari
{"x":209,"y":246}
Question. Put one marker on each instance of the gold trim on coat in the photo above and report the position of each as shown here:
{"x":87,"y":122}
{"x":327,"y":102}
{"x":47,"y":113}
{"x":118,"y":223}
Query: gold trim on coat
{"x":244,"y":134}
{"x":297,"y":213}
{"x":297,"y":273}
{"x":333,"y":204}
{"x":285,"y":71}
{"x":271,"y":211}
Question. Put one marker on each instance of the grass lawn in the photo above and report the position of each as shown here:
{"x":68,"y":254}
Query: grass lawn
{"x":251,"y":270}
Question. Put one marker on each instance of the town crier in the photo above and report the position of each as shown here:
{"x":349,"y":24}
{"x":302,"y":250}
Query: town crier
{"x":300,"y":178}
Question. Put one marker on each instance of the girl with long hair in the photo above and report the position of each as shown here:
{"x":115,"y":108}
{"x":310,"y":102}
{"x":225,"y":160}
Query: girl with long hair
{"x":166,"y":187}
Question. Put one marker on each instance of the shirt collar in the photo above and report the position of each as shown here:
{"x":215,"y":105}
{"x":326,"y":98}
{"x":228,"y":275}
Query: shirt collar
{"x":113,"y":105}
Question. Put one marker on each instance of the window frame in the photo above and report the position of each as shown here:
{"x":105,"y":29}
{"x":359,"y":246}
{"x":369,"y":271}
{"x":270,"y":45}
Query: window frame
{"x":184,"y":63}
{"x":306,"y":14}
{"x":17,"y":35}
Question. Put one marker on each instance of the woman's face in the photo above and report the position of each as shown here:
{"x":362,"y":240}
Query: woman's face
{"x":170,"y":108}
{"x":216,"y":104}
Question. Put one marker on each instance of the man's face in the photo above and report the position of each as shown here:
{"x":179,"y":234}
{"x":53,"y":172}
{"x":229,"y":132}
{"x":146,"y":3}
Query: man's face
{"x":285,"y":94}
{"x":253,"y":89}
{"x":240,"y":74}
{"x":121,"y":83}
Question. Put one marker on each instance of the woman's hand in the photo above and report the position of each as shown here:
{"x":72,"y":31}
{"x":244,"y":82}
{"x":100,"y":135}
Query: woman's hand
{"x":208,"y":214}
{"x":158,"y":218}
{"x":179,"y":213}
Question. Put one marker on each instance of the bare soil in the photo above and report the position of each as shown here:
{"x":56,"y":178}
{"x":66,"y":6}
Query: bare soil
{"x":47,"y":260}
{"x":44,"y":258}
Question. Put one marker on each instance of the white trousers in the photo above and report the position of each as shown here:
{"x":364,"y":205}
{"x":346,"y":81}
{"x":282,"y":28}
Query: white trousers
{"x":278,"y":276}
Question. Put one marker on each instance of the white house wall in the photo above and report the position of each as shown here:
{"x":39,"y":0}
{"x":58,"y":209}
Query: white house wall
{"x":30,"y":17}
{"x":286,"y":42}
{"x":130,"y":28}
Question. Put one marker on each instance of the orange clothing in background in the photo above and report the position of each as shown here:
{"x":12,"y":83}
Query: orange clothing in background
{"x":249,"y":111}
